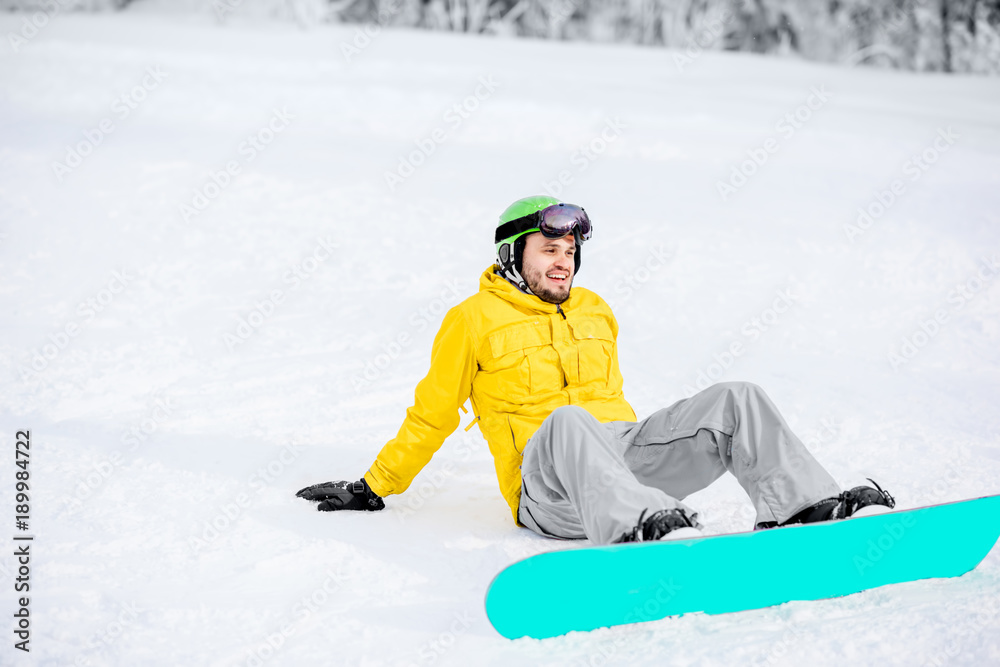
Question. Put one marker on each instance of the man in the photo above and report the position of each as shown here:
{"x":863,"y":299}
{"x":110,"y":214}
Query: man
{"x":539,"y":361}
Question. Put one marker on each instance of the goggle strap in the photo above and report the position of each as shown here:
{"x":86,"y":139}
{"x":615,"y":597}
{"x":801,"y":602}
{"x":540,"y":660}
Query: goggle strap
{"x":516,"y":226}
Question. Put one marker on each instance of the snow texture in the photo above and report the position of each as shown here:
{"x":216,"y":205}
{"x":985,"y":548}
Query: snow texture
{"x":194,"y":326}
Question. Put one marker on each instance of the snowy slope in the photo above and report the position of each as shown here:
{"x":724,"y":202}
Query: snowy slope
{"x":184,"y":371}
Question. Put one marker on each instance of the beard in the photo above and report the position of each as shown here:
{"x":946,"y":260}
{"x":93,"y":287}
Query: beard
{"x":535,"y":279}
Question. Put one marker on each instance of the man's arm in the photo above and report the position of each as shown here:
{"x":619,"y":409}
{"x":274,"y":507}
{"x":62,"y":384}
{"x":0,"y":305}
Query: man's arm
{"x":434,"y":414}
{"x":431,"y":419}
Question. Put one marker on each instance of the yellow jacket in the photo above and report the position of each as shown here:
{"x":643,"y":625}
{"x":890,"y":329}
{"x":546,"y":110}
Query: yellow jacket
{"x":518,"y":358}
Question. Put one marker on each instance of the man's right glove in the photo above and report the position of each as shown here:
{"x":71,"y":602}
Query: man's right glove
{"x":343,"y":496}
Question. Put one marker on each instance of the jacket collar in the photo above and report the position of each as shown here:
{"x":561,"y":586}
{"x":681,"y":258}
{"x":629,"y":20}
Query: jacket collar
{"x":491,"y":282}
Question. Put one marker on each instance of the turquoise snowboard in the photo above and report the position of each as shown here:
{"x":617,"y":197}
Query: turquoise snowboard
{"x":581,"y":589}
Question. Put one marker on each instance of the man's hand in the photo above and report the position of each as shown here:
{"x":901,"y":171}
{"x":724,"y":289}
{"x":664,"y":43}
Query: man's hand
{"x":343,"y":496}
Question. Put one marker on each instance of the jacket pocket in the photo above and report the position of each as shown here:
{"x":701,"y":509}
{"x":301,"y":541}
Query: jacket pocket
{"x":524,"y":362}
{"x":513,"y":439}
{"x":595,"y":344}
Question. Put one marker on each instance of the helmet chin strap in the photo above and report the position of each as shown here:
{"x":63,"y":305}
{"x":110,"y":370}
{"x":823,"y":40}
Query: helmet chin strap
{"x":523,"y":286}
{"x":511,"y":275}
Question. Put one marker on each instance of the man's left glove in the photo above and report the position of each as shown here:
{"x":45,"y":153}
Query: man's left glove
{"x":343,"y":496}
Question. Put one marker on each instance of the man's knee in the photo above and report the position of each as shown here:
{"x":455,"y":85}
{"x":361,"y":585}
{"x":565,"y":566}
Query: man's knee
{"x":740,"y":388}
{"x":562,"y":428}
{"x":569,"y":414}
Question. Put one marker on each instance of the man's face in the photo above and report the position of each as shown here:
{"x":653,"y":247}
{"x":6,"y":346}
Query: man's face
{"x":547,"y":266}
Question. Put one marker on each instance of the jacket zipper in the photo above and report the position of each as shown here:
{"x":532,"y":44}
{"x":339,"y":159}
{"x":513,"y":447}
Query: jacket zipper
{"x":560,"y":310}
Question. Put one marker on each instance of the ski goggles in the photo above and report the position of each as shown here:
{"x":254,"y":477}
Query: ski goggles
{"x":553,"y":222}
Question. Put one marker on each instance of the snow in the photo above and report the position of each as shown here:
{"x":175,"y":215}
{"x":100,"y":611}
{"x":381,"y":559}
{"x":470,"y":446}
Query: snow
{"x":182,"y":378}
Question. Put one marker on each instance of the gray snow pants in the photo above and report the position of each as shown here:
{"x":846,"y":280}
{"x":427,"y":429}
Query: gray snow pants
{"x":584,"y":479}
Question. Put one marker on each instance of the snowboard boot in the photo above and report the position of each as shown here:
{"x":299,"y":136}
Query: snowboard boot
{"x":859,"y":501}
{"x":669,"y":524}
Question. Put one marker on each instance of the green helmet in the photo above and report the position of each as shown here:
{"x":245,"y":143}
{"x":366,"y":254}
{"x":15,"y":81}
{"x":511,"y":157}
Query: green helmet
{"x":510,"y":250}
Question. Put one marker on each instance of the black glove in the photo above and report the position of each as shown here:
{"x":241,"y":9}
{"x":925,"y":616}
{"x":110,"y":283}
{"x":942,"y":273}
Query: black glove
{"x":343,"y":496}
